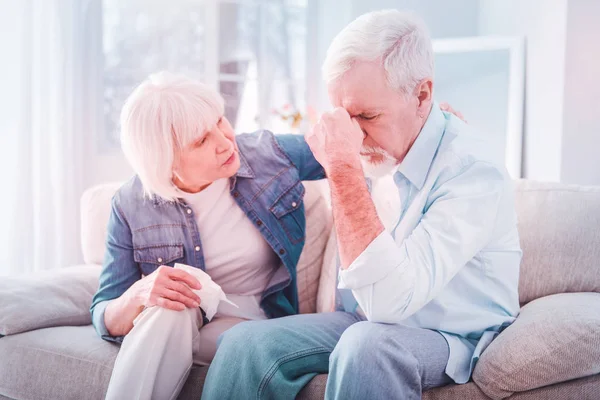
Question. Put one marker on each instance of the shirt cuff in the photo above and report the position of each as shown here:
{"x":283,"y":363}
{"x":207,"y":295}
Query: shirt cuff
{"x":98,"y":321}
{"x":380,"y":257}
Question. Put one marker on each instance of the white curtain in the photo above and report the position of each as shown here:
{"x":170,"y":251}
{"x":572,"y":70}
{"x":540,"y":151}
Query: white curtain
{"x":44,"y":131}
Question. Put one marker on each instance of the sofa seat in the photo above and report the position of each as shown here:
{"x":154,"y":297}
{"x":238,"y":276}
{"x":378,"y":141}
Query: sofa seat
{"x":72,"y":362}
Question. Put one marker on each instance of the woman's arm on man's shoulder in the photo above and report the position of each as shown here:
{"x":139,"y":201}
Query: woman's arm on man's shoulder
{"x":297,"y":150}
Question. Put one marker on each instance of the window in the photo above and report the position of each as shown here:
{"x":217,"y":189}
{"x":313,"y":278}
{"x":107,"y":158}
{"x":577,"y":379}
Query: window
{"x":252,"y":52}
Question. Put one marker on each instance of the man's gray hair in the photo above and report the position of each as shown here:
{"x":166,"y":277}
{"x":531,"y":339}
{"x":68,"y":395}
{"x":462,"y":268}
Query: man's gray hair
{"x":399,"y":40}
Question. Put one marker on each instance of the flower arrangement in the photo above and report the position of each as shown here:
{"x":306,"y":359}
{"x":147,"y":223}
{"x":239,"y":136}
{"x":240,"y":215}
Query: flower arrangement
{"x":296,"y":119}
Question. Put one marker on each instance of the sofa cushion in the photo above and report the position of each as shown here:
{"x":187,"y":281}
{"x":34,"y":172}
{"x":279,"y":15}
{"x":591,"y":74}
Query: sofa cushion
{"x":74,"y":363}
{"x":316,"y":390}
{"x":49,"y":298}
{"x":318,"y":228}
{"x":95,"y":212}
{"x":554,"y":339}
{"x":558,"y":226}
{"x":69,"y":362}
{"x":328,"y":278}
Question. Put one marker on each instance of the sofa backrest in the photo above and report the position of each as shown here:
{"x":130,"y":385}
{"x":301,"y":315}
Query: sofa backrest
{"x":95,"y":211}
{"x":559,"y":226}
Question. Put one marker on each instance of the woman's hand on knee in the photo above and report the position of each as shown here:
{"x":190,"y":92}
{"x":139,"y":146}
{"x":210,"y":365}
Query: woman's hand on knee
{"x":168,"y":288}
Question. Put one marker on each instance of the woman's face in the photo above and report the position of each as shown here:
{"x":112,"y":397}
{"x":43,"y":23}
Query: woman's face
{"x":211,"y":157}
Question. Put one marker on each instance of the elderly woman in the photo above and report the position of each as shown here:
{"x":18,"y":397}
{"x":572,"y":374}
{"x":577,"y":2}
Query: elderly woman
{"x":228,"y":205}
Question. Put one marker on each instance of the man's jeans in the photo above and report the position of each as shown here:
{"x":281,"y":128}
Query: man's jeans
{"x":275,"y":359}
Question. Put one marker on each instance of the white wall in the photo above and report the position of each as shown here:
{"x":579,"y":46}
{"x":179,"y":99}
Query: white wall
{"x":562,"y":85}
{"x":444,"y":19}
{"x":544,"y":27}
{"x":581,"y":133}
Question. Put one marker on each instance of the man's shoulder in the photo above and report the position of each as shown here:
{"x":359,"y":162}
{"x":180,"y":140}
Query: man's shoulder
{"x":464,"y":147}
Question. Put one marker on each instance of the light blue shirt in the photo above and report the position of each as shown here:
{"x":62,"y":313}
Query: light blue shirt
{"x":449,"y":260}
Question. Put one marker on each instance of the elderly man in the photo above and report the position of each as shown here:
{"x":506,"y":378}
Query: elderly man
{"x":428,"y":246}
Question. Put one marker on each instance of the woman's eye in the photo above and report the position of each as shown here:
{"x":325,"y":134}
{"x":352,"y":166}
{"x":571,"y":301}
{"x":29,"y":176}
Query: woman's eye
{"x":201,"y":142}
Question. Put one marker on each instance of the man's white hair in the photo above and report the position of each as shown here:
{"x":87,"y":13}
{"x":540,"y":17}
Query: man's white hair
{"x":399,"y":40}
{"x":163,"y":115}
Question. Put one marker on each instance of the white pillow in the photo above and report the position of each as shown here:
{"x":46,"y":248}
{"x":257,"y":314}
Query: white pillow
{"x":49,"y":298}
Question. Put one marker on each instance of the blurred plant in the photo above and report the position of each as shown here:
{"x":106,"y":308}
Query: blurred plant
{"x":295,"y":118}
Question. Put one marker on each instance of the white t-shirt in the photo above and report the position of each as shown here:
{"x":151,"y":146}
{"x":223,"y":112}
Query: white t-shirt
{"x":236,"y":255}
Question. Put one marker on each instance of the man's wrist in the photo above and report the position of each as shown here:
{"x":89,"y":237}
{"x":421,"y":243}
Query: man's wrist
{"x":344,"y":168}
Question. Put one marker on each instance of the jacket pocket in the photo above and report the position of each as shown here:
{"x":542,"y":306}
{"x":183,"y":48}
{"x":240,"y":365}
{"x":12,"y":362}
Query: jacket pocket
{"x":151,"y":257}
{"x":289,"y":210}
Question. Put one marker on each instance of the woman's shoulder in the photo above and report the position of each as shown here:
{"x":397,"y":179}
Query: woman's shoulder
{"x":264,"y":146}
{"x":258,"y":141}
{"x":130,"y":194}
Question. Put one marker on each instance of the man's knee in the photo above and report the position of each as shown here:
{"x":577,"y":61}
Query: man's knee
{"x":367,"y":343}
{"x":240,"y":338}
{"x":357,"y":340}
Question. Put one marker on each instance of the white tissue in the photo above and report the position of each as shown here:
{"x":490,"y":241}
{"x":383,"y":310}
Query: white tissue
{"x":210,"y":295}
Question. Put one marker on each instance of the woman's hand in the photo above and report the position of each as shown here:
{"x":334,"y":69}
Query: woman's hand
{"x":447,"y":107}
{"x":166,"y":287}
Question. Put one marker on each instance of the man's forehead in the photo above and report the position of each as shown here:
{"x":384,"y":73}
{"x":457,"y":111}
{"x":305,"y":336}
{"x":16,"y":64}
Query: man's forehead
{"x":357,"y":105}
{"x":356,"y":97}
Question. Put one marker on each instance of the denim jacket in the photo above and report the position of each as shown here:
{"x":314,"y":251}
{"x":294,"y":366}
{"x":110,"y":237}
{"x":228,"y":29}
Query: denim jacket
{"x":144,"y":233}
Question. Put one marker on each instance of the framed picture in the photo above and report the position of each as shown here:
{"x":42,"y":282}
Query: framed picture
{"x":484,"y":78}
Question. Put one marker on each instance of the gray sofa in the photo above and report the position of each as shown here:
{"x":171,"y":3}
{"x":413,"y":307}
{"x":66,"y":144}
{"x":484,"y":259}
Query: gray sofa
{"x":552,"y":351}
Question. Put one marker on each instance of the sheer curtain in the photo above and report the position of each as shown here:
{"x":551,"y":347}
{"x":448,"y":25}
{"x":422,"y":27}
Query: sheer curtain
{"x":44,"y":131}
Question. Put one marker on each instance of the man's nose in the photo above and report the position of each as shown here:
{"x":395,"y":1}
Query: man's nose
{"x":363,"y":131}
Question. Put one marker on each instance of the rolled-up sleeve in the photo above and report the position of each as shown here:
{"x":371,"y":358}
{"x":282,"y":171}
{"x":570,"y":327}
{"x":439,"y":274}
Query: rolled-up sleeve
{"x":381,"y":257}
{"x":119,"y":271}
{"x":391,"y":281}
{"x":98,"y":321}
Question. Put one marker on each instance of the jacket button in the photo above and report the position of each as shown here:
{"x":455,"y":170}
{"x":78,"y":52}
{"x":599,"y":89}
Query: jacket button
{"x":259,"y":222}
{"x":197,"y":248}
{"x":294,"y":204}
{"x":159,"y":260}
{"x":189,"y":211}
{"x":282,"y":251}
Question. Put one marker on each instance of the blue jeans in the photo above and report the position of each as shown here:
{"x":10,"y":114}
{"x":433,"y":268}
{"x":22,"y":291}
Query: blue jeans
{"x":275,"y":359}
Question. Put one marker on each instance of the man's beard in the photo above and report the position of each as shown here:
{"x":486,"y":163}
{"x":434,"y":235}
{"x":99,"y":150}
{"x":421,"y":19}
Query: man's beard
{"x":376,"y":162}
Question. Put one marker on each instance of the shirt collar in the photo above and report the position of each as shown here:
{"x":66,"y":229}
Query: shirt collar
{"x":419,"y":158}
{"x":244,"y":171}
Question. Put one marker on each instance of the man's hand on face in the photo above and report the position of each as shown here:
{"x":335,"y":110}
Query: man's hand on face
{"x":336,"y":140}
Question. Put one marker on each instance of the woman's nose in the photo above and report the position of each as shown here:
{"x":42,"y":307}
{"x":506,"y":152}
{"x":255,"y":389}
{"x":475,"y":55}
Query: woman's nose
{"x":225,"y":142}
